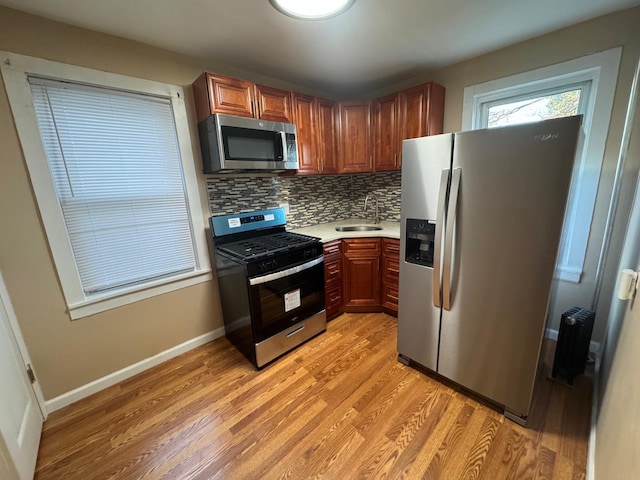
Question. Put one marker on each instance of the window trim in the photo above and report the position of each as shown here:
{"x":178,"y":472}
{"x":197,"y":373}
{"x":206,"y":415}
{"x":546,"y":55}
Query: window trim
{"x":601,"y":69}
{"x":15,"y":70}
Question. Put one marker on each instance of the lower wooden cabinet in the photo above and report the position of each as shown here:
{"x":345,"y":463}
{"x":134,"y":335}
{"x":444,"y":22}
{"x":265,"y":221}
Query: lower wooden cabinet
{"x":361,"y":274}
{"x":390,"y":275}
{"x":333,"y":283}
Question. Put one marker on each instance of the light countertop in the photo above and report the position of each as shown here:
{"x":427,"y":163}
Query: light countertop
{"x":327,"y":231}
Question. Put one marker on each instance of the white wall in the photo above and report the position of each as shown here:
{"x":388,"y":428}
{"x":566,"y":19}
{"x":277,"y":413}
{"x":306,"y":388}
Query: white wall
{"x":617,"y":441}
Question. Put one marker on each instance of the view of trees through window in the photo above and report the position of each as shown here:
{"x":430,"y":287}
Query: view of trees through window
{"x":543,"y":107}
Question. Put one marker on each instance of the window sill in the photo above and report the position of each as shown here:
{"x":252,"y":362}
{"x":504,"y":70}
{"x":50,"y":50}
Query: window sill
{"x":104,"y":302}
{"x":568,"y":274}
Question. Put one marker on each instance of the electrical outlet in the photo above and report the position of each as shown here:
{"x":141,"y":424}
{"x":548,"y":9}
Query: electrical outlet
{"x":285,"y":207}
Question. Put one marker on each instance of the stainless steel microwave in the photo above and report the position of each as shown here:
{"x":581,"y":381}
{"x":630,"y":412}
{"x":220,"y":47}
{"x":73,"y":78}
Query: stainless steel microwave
{"x":229,"y":143}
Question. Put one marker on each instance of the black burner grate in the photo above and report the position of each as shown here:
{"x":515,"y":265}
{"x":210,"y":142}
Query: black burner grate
{"x":251,"y":248}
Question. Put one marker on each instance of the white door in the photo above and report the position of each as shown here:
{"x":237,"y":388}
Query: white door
{"x":20,"y":415}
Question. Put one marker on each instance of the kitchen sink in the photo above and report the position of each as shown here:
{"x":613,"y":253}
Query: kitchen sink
{"x":358,"y":228}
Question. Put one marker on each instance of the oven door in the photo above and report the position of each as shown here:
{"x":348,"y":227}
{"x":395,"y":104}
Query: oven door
{"x":282,"y":299}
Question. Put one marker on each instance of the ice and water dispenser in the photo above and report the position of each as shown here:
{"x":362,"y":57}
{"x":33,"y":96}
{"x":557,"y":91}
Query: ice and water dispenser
{"x":420,"y":237}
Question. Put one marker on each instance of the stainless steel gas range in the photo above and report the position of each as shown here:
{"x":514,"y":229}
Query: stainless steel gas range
{"x":271,"y":283}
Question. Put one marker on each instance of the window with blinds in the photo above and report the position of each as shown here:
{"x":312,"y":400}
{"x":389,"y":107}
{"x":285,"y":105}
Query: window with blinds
{"x":115,"y":162}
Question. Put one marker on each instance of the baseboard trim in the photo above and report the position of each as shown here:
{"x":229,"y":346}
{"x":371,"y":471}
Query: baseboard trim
{"x":591,"y":448}
{"x":90,"y":388}
{"x":552,"y":334}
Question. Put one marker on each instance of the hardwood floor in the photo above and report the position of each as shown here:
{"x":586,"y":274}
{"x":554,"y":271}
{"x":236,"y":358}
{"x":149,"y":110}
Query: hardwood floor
{"x":339,"y":407}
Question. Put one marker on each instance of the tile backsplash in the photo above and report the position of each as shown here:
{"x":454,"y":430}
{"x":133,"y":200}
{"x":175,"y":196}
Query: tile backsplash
{"x":311,"y":199}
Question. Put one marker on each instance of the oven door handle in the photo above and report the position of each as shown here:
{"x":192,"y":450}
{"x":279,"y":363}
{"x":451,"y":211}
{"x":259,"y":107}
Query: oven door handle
{"x":285,"y":273}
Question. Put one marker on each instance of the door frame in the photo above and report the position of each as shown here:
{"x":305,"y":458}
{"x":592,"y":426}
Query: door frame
{"x":22,"y":347}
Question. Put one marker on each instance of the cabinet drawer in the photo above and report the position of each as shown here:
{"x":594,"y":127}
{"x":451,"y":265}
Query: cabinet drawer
{"x":361,"y":247}
{"x":391,"y":268}
{"x":391,"y":247}
{"x":332,"y":271}
{"x":333,"y":300}
{"x":390,"y":297}
{"x":332,"y":248}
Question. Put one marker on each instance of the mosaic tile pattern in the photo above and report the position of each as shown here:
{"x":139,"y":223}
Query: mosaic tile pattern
{"x":311,"y":199}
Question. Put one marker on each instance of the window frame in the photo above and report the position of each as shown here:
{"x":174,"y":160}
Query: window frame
{"x":15,"y":71}
{"x":601,"y":71}
{"x":585,"y":92}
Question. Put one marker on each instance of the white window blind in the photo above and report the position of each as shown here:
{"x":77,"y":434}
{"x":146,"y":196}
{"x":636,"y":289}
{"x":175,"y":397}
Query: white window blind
{"x":115,"y":162}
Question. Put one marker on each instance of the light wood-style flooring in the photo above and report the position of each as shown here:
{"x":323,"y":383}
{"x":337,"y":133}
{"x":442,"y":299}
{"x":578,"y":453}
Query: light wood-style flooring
{"x":339,"y":407}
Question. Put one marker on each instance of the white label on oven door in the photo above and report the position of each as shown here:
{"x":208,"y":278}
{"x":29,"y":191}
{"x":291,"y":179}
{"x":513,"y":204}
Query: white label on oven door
{"x":269,"y":216}
{"x":291,"y":300}
{"x":234,"y":222}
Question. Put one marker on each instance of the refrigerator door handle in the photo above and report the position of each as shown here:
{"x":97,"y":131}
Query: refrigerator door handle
{"x":437,"y":249}
{"x":448,"y":240}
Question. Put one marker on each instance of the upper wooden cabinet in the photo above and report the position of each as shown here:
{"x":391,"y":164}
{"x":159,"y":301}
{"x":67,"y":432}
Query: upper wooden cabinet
{"x":421,"y":111}
{"x":354,"y":145}
{"x":304,"y":117}
{"x":316,"y":124}
{"x":415,"y":112}
{"x":385,"y":133}
{"x":273,"y":104}
{"x":219,"y":94}
{"x":326,"y":112}
{"x":333,"y":137}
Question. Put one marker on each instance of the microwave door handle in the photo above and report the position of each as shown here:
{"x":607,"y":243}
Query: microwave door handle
{"x":283,"y":145}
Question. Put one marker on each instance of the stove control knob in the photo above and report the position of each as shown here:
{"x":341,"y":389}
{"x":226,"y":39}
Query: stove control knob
{"x":263,"y":267}
{"x":274,"y":264}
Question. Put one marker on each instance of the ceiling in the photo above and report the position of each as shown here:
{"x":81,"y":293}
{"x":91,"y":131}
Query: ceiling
{"x":375,"y":43}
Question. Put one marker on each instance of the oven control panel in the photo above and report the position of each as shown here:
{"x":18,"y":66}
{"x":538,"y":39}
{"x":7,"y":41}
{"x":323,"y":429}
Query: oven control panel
{"x":246,"y":222}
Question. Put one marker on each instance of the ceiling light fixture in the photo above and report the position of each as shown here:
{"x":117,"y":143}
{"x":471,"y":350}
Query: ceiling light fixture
{"x":310,"y":9}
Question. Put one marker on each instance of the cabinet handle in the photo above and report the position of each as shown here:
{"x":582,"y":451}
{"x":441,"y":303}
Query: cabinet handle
{"x":394,"y":270}
{"x":395,"y":159}
{"x":319,"y":164}
{"x":334,"y":272}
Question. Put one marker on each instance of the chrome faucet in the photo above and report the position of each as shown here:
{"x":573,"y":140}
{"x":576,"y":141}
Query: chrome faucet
{"x":366,"y":199}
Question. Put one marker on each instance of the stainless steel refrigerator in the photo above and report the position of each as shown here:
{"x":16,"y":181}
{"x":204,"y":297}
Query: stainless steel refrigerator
{"x":482,"y":214}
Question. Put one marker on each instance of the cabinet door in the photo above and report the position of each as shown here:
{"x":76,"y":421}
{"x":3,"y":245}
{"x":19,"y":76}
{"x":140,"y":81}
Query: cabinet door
{"x":413,"y":103}
{"x":230,"y":96}
{"x":421,"y":111}
{"x":362,"y":282}
{"x":326,"y":146}
{"x":273,"y":104}
{"x":361,"y":265}
{"x":385,"y":134}
{"x":306,"y":131}
{"x":354,"y":147}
